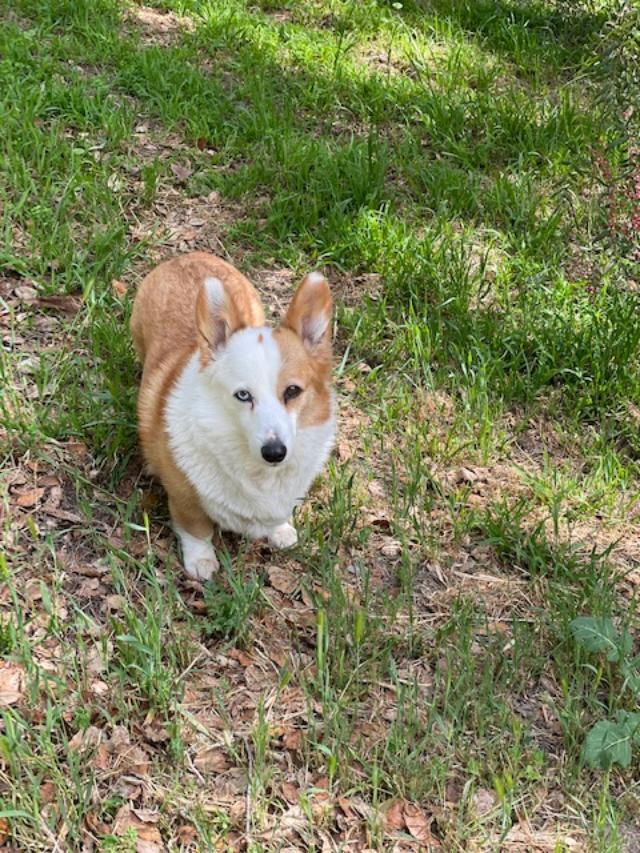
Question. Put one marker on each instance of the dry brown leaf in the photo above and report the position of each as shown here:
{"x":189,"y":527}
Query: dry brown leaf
{"x":78,"y":449}
{"x":4,"y":829}
{"x":11,"y":683}
{"x":211,"y":760}
{"x":99,"y":688}
{"x":524,"y":837}
{"x":143,"y":821}
{"x":290,"y":792}
{"x":257,"y":678}
{"x":134,"y":761}
{"x":283,"y":580}
{"x":29,"y":498}
{"x":292,"y":740}
{"x":95,"y":826}
{"x":101,"y":759}
{"x":294,"y":819}
{"x":483,"y":801}
{"x":155,"y":732}
{"x":418,"y":825}
{"x":24,"y":292}
{"x":48,"y":481}
{"x":119,"y":288}
{"x":90,"y":588}
{"x":88,"y":738}
{"x":186,"y":835}
{"x":64,"y":303}
{"x":391,"y":548}
{"x":394,"y":816}
{"x":47,"y":792}
{"x":182,"y":172}
{"x":242,"y":657}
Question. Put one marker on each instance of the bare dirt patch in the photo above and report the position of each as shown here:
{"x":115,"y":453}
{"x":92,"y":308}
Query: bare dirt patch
{"x":158,"y":27}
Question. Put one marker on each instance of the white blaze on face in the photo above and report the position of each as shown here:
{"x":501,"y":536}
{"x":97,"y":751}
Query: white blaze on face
{"x":251,"y":361}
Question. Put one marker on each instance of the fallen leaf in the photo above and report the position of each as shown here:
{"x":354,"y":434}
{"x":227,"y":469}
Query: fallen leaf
{"x":282,"y":580}
{"x":294,"y":819}
{"x":418,"y":825}
{"x":466,"y":475}
{"x":182,"y":172}
{"x":148,"y":838}
{"x":48,"y":481}
{"x":77,"y":448}
{"x":97,"y":827}
{"x":26,"y":293}
{"x":90,"y":588}
{"x":11,"y":683}
{"x":4,"y":829}
{"x":29,"y":498}
{"x":211,"y":760}
{"x":242,"y":657}
{"x":65,"y":303}
{"x":290,"y":792}
{"x":394,"y":816}
{"x":135,"y":761}
{"x":187,"y":234}
{"x":292,"y":740}
{"x":47,"y":792}
{"x":156,"y":732}
{"x":186,"y":835}
{"x":522,"y":836}
{"x":483,"y":801}
{"x":119,"y":288}
{"x":101,"y":758}
{"x":114,"y":182}
{"x":391,"y":548}
{"x":87,"y":738}
{"x":201,"y":142}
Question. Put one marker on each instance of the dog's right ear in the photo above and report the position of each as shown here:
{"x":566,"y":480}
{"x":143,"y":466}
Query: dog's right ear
{"x":217,"y":318}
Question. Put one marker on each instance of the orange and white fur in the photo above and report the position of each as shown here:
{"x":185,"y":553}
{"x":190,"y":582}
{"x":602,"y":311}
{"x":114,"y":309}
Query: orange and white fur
{"x":235,"y":418}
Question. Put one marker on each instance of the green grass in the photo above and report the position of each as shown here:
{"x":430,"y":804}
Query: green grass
{"x":464,"y":172}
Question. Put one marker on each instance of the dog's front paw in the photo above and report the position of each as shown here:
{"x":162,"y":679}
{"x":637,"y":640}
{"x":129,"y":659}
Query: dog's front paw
{"x":199,"y":556}
{"x":202,"y":570}
{"x":283,"y":536}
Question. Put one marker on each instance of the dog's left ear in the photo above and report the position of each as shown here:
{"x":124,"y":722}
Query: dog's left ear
{"x":217,"y":318}
{"x":309,"y":314}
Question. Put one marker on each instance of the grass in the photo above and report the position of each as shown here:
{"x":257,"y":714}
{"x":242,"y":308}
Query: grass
{"x":464,"y":171}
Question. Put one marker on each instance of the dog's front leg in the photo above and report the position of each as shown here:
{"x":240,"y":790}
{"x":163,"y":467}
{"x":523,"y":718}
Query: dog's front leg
{"x":283,"y":536}
{"x":194,"y":529}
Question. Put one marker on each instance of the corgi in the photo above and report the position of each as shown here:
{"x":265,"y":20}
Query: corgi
{"x":235,"y":418}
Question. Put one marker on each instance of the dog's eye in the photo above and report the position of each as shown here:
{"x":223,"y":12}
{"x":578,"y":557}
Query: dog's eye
{"x":243,"y":396}
{"x":291,"y":392}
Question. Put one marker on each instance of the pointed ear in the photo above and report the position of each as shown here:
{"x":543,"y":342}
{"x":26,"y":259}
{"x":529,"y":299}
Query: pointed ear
{"x":309,"y":314}
{"x":217,"y":318}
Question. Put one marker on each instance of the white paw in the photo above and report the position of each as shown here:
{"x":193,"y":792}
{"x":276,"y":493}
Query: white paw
{"x":198,"y":556}
{"x":283,"y":536}
{"x":202,"y":570}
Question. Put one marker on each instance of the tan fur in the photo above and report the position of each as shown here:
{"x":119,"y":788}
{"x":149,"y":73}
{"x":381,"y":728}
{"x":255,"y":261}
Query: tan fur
{"x":304,"y":362}
{"x":169,"y":324}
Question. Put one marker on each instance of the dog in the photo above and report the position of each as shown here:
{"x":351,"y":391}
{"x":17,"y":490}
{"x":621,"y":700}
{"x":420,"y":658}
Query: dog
{"x":235,"y":418}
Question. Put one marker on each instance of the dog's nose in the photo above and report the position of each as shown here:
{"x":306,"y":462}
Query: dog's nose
{"x":273,"y":451}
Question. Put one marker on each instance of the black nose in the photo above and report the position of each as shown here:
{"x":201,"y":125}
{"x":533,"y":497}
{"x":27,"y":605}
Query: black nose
{"x":273,"y":451}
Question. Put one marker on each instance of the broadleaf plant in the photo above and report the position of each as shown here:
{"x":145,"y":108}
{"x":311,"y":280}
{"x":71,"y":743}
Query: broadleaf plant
{"x":611,"y":741}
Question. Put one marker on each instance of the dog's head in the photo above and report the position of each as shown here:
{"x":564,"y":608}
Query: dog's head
{"x":272,"y":383}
